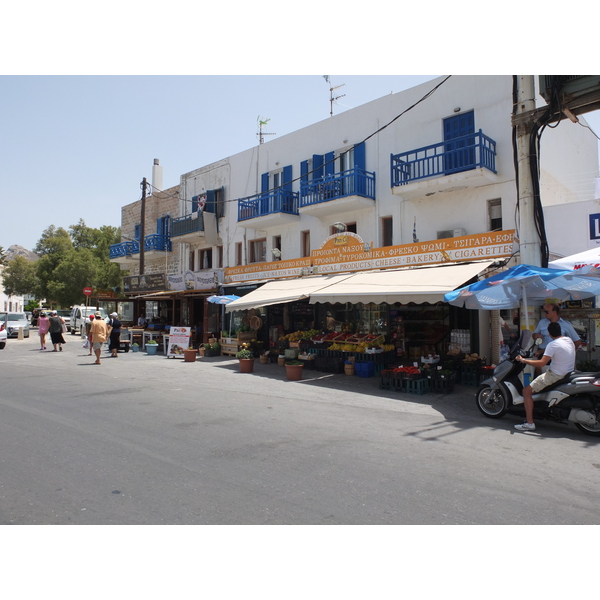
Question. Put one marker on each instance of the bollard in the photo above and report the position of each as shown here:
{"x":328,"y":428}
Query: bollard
{"x":20,"y":335}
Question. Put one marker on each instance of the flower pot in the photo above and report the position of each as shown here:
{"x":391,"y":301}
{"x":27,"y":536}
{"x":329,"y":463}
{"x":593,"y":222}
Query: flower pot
{"x":246,"y":365}
{"x":135,"y":348}
{"x":189,"y":355}
{"x":264,"y":359}
{"x":151,"y":348}
{"x":294,"y":372}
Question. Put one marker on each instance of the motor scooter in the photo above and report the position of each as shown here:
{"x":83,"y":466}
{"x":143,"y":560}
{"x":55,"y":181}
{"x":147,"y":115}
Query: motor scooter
{"x":573,"y":399}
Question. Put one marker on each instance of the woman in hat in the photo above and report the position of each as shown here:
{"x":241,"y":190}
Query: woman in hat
{"x":115,"y":334}
{"x":56,"y":333}
{"x":88,"y":333}
{"x":43,"y":325}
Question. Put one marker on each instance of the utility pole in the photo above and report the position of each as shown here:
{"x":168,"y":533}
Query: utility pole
{"x":529,"y":240}
{"x":143,"y":226}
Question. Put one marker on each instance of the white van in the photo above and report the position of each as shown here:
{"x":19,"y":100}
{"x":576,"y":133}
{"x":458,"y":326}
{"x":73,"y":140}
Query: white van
{"x":80,"y":315}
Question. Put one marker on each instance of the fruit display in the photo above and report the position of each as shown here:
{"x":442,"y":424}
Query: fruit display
{"x":300,"y":335}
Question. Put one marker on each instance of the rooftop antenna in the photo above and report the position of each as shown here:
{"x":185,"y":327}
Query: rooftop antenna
{"x":262,"y":123}
{"x":331,"y":90}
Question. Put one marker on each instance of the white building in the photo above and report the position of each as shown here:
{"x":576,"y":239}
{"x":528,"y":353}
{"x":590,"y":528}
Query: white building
{"x":391,"y":178}
{"x":9,"y":303}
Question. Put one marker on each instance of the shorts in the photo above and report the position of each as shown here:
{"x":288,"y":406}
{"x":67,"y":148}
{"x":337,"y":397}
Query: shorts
{"x":98,"y":345}
{"x":544,"y":380}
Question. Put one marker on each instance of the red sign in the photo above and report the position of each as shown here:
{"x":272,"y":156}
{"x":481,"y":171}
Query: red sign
{"x":87,"y":291}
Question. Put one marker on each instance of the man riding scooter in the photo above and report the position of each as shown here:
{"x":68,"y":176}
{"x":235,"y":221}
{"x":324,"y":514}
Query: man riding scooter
{"x":561,"y":351}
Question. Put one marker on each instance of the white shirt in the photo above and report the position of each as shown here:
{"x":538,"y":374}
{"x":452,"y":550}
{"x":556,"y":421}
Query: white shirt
{"x":562,"y":352}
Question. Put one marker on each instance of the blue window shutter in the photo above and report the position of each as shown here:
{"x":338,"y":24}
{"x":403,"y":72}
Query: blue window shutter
{"x":317,"y":166}
{"x":159,"y":226}
{"x":194,"y":204}
{"x":329,"y":163}
{"x":360,"y":161}
{"x":210,"y":205}
{"x":287,"y":178}
{"x":219,"y":196}
{"x":304,"y":170}
{"x":264,"y":182}
{"x":162,"y":225}
{"x":137,"y":232}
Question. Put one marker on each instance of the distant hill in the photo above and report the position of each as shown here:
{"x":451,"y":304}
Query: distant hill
{"x":16,"y":250}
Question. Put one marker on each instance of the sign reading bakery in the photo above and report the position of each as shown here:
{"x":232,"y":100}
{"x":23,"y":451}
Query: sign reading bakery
{"x":348,"y":252}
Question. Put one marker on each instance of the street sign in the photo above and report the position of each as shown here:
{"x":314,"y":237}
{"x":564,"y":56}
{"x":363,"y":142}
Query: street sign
{"x":87,"y":291}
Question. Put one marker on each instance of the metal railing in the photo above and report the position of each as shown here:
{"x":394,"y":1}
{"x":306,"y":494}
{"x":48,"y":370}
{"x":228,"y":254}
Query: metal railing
{"x":187,"y":224}
{"x":124,"y":249}
{"x":354,"y":182}
{"x":155,"y":241}
{"x":453,"y":156}
{"x":267,"y":203}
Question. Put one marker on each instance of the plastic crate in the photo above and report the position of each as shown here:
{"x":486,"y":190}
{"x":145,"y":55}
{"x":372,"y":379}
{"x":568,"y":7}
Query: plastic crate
{"x":364,"y":369}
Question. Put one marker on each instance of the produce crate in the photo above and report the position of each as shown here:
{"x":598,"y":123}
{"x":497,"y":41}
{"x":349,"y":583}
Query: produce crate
{"x":417,"y":386}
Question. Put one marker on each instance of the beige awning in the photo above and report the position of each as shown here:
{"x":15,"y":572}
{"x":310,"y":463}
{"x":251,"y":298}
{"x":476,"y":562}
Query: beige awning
{"x":285,"y":290}
{"x":427,"y":284}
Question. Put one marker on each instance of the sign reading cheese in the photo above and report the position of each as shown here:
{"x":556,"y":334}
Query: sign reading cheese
{"x":348,"y":252}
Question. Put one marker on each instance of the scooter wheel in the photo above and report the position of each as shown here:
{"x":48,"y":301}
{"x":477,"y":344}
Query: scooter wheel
{"x":589,"y":429}
{"x":493,"y":403}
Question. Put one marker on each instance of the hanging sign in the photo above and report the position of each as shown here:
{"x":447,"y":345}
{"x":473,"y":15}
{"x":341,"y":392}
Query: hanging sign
{"x":179,"y":340}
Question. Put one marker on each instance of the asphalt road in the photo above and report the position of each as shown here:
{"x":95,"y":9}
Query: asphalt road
{"x":149,"y":440}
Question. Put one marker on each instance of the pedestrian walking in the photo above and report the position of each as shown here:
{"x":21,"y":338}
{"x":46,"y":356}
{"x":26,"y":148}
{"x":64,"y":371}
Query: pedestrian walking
{"x":99,"y":332}
{"x":88,"y":334}
{"x":56,"y":331}
{"x":115,"y":334}
{"x":43,"y":326}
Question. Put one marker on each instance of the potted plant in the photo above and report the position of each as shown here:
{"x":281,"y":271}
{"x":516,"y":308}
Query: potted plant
{"x":152,"y":347}
{"x":246,"y":360}
{"x":293,"y":369}
{"x":189,"y":354}
{"x":135,"y":347}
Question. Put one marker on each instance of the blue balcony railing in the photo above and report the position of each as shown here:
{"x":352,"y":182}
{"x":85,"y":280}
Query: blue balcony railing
{"x":354,"y":182}
{"x":453,"y":156}
{"x":155,"y":241}
{"x":267,"y":203}
{"x":124,"y":249}
{"x":160,"y":243}
{"x":187,"y":224}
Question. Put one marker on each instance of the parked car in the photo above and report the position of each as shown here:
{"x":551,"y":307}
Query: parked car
{"x":14,"y":322}
{"x":81,"y":314}
{"x":65,"y":313}
{"x":3,"y":332}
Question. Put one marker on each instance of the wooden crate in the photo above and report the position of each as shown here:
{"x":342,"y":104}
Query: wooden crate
{"x":229,"y":349}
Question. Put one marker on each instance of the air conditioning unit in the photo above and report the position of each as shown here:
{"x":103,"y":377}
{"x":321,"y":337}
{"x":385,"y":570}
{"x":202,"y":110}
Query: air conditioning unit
{"x":449,"y":233}
{"x":572,"y":86}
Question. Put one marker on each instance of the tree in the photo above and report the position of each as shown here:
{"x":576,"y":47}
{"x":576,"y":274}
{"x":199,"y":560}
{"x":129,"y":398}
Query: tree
{"x":2,"y":256}
{"x":20,"y":277}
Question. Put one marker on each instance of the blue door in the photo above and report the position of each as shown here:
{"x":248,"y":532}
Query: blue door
{"x":459,"y":152}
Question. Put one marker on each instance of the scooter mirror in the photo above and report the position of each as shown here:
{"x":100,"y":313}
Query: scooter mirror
{"x":538,"y":341}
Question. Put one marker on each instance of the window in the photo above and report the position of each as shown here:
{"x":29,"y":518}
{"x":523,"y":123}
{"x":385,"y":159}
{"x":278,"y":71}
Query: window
{"x":205,"y":261}
{"x":305,"y":243}
{"x":495,"y":214}
{"x":219,"y":263}
{"x":276,"y":247}
{"x":258,"y":250}
{"x":238,"y":254}
{"x":192,"y":260}
{"x":351,"y":227}
{"x":387,"y":231}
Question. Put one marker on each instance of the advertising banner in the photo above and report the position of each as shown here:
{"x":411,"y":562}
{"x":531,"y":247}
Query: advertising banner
{"x":179,"y":340}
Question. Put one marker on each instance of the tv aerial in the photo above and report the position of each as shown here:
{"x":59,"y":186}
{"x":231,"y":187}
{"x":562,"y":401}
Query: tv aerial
{"x":331,"y":90}
{"x":262,"y":123}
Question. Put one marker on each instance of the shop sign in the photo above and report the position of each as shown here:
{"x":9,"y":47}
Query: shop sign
{"x":268,"y":270}
{"x":179,"y":340}
{"x":144,"y":283}
{"x":348,"y":252}
{"x":194,"y":280}
{"x":350,"y":255}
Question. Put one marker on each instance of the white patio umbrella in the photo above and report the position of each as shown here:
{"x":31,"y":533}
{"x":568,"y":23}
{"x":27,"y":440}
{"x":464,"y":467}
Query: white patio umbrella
{"x":587,"y":258}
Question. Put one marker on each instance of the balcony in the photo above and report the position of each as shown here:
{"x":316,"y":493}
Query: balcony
{"x":268,"y":209}
{"x":188,"y":229}
{"x":467,"y":161}
{"x":332,"y":194}
{"x":126,"y":252}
